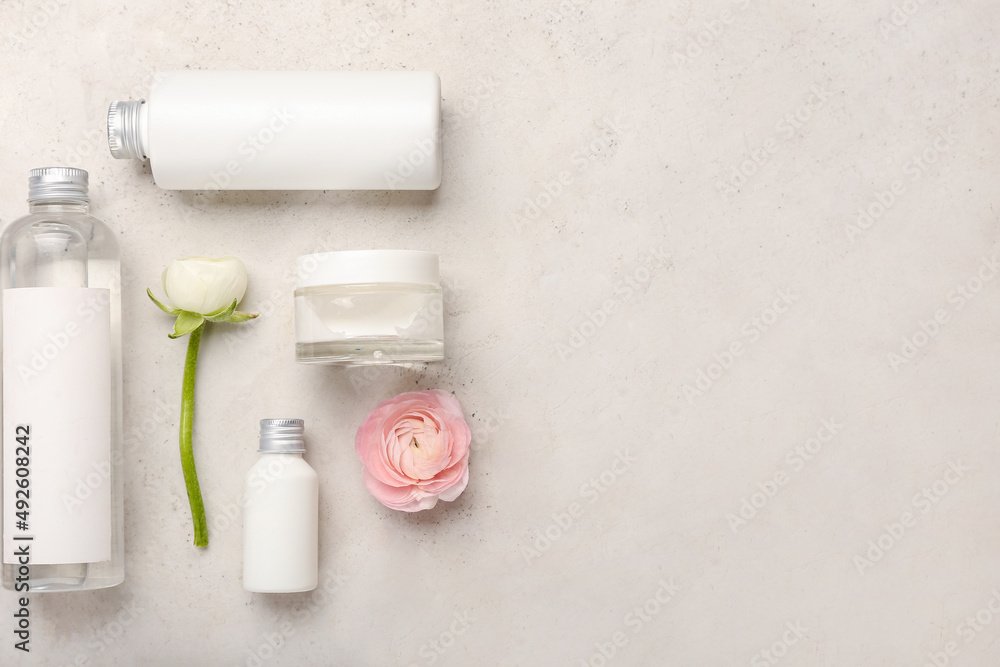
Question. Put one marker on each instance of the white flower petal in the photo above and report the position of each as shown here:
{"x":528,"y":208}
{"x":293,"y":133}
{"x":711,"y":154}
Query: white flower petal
{"x":203,"y":285}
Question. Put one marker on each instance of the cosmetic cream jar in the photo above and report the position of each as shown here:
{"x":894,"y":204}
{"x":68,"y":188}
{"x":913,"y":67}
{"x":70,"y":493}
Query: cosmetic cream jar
{"x":360,"y":307}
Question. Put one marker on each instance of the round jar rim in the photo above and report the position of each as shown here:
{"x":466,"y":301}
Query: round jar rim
{"x":350,"y":267}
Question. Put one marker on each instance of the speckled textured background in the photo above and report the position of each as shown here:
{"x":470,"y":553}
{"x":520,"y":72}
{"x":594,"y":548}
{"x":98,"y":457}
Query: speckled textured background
{"x":677,"y":239}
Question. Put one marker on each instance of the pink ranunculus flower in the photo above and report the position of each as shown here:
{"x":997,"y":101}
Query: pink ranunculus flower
{"x":415,"y":450}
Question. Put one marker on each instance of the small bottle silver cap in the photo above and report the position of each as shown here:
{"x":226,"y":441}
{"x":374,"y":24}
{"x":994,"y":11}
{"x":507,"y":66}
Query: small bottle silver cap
{"x":282,"y":435}
{"x":58,"y":184}
{"x":123,"y":129}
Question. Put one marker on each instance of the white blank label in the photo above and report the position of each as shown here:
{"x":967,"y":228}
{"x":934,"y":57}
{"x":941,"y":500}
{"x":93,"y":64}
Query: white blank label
{"x":57,"y":384}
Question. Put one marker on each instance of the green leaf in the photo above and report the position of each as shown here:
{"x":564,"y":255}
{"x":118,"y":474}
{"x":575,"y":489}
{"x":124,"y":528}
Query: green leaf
{"x":237,"y":316}
{"x":186,"y":323}
{"x":222,"y":314}
{"x":167,"y":309}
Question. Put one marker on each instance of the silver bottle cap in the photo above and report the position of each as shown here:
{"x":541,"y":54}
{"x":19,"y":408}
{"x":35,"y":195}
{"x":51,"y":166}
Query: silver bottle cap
{"x":282,"y":435}
{"x":123,"y":129}
{"x":58,"y":184}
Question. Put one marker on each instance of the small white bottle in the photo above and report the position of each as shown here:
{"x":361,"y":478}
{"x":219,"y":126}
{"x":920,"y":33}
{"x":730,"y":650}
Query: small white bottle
{"x":225,"y":130}
{"x":281,"y":515}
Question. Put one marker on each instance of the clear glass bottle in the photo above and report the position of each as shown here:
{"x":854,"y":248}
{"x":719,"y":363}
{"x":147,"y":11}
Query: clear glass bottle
{"x":281,"y":513}
{"x":62,"y":392}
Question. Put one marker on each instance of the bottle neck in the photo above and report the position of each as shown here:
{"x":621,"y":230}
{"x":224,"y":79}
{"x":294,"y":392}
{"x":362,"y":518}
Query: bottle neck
{"x":65,"y":206}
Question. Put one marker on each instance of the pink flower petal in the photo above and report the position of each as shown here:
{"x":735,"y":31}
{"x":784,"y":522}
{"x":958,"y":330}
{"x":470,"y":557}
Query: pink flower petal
{"x":415,"y":449}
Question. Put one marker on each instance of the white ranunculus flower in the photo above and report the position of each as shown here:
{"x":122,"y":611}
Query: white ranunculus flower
{"x":203,"y":285}
{"x":200,"y":290}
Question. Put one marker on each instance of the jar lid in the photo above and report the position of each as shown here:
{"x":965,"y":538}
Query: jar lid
{"x":351,"y":267}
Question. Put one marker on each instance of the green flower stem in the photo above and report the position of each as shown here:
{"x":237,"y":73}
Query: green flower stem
{"x":187,"y":452}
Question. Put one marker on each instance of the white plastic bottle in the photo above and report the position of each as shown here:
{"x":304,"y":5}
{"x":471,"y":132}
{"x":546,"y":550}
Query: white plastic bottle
{"x":225,"y":130}
{"x":63,"y":513}
{"x":281,"y":513}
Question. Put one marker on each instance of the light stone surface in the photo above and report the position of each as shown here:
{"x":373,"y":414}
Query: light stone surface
{"x":613,"y":288}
